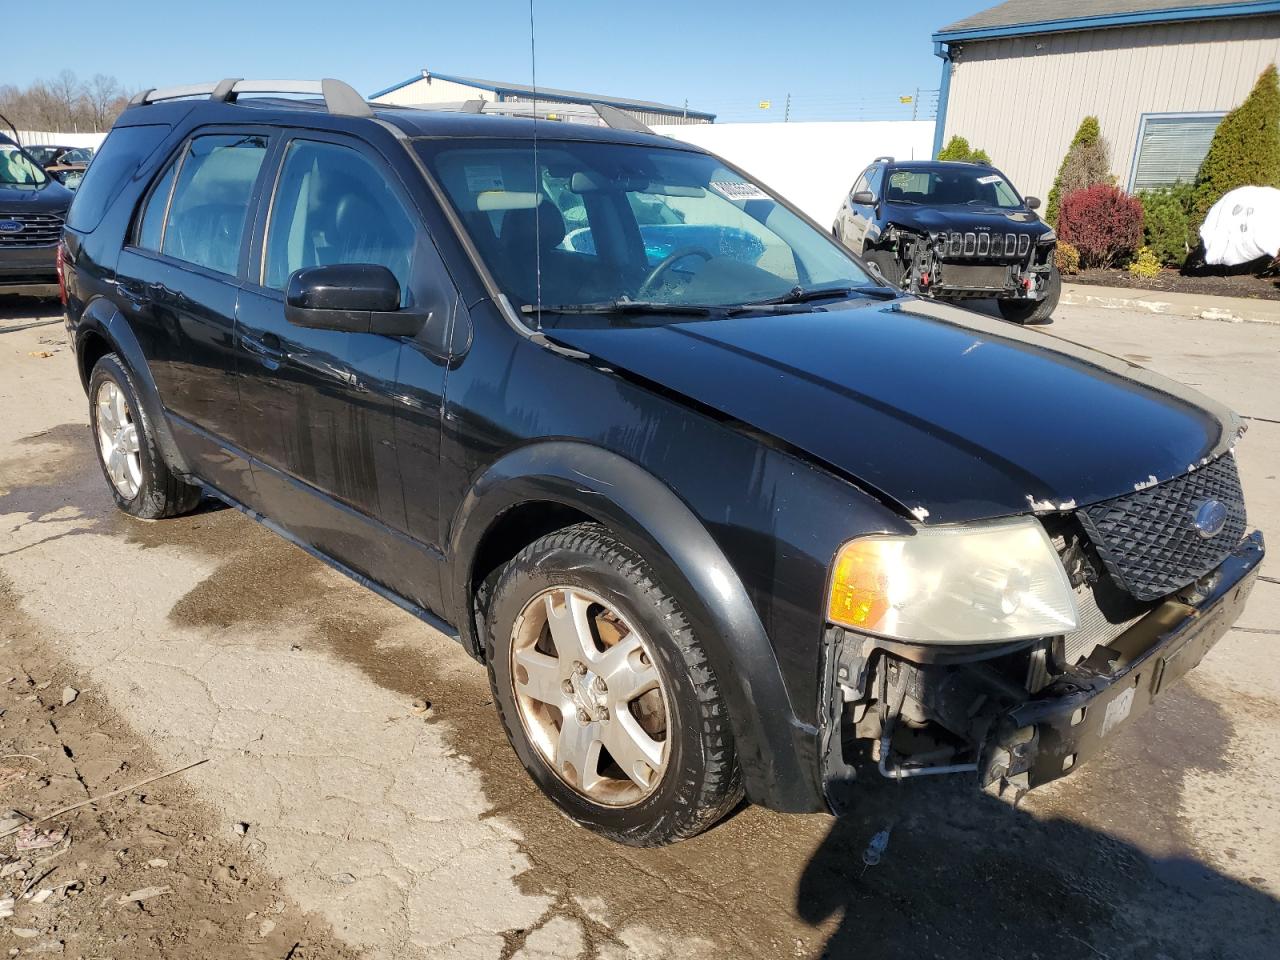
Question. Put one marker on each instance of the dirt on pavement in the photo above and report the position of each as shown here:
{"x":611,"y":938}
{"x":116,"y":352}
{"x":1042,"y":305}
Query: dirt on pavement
{"x":1210,"y":283}
{"x":146,"y":874}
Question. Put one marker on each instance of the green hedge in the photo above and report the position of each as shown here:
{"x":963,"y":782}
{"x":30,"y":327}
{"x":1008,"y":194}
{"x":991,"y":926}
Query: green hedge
{"x":1088,"y":135}
{"x":958,"y":148}
{"x":1169,"y":222}
{"x":1246,"y":149}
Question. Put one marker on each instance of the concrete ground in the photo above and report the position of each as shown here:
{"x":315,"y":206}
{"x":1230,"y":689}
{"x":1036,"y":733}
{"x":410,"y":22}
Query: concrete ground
{"x":415,"y":834}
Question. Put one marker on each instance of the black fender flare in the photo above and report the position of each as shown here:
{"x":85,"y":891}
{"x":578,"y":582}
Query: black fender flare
{"x":777,"y":751}
{"x":103,"y":318}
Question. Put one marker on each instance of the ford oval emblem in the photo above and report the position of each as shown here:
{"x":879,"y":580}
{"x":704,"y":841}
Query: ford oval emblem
{"x":10,"y":226}
{"x":1210,"y":518}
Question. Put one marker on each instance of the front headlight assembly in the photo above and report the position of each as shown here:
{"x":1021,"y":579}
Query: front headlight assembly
{"x":987,"y":582}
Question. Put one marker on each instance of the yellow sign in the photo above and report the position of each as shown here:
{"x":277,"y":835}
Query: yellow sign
{"x":906,"y":99}
{"x":766,"y":104}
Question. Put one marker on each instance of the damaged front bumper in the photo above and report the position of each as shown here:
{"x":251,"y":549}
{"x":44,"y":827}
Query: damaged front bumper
{"x":919,"y":711}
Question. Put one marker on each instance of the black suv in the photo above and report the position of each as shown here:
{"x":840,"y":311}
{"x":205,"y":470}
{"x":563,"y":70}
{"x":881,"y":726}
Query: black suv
{"x":953,"y":231}
{"x":719,"y":513}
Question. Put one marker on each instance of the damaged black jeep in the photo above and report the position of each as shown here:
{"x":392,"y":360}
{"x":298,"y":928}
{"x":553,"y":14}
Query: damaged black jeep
{"x":953,"y":231}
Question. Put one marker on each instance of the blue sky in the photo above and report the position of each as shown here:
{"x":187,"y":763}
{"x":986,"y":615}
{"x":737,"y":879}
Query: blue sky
{"x":837,"y":60}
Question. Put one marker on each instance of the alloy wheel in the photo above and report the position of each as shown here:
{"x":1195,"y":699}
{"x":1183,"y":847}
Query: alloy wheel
{"x":118,"y":440}
{"x":590,"y":696}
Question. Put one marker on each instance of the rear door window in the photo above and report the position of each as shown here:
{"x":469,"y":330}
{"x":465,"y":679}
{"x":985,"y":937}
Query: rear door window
{"x":121,"y":154}
{"x":211,"y":200}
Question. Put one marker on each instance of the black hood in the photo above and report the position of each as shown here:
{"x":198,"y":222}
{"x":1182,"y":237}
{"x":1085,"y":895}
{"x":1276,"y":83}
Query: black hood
{"x":952,"y":415}
{"x":53,"y":197}
{"x":963,"y":219}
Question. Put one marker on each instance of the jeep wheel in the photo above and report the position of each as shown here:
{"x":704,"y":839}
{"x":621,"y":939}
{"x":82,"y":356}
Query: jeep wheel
{"x":1035,"y":311}
{"x":138,"y":477}
{"x":605,"y":693}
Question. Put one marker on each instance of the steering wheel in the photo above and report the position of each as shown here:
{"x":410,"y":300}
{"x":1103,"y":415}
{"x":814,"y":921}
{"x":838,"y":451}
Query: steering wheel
{"x":667,"y":262}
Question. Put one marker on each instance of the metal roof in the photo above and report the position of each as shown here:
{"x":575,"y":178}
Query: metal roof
{"x":1027,"y":17}
{"x":549,"y":93}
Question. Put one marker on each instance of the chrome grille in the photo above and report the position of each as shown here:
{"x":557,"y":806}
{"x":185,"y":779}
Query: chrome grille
{"x":985,"y":245}
{"x":38,"y":230}
{"x":1147,"y":539}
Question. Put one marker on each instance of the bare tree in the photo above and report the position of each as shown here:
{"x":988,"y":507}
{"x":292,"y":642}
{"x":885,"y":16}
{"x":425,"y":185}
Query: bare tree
{"x":105,"y":96}
{"x":64,"y":104}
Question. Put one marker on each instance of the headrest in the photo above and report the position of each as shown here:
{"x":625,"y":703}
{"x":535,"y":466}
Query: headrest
{"x":526,"y":228}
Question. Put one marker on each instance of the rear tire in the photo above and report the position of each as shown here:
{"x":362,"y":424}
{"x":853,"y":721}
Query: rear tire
{"x":135,"y":471}
{"x":567,"y":723}
{"x":1035,"y":311}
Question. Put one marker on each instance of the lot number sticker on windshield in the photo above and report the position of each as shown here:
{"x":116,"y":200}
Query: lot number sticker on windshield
{"x":738,"y":190}
{"x":484,"y":177}
{"x":990,"y":178}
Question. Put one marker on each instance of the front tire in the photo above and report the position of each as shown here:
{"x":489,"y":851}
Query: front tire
{"x":136,"y":473}
{"x":605,"y":694}
{"x":1035,"y":311}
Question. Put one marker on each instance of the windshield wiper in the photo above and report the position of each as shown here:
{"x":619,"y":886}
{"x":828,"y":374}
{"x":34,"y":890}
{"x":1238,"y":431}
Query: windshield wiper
{"x":621,"y":305}
{"x":801,"y":295}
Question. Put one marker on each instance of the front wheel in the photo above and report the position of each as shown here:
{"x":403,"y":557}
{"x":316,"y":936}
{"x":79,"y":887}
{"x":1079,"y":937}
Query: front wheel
{"x":1035,"y":311}
{"x":606,"y":694}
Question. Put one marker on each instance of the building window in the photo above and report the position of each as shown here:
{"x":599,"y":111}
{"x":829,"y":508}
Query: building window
{"x":1171,"y":148}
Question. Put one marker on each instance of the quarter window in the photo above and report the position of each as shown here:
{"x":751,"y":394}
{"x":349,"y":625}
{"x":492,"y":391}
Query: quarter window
{"x":151,"y":227}
{"x":334,"y":206}
{"x":211,"y":200}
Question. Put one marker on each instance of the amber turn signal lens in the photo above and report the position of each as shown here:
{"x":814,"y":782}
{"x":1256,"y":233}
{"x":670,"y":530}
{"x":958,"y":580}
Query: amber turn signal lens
{"x":859,"y":586}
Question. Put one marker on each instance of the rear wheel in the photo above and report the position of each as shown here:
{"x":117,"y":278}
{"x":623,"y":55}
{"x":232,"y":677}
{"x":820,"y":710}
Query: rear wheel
{"x":605,"y":693}
{"x":1035,"y":311}
{"x":140,"y":480}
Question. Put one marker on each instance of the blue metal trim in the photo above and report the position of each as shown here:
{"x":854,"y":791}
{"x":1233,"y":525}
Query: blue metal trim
{"x":944,"y":96}
{"x":1172,"y":15}
{"x":1142,"y":129}
{"x":501,"y":92}
{"x":395,"y":86}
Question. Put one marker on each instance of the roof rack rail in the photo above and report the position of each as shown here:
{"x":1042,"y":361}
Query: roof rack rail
{"x":612,"y":116}
{"x":340,"y":99}
{"x":883,"y":160}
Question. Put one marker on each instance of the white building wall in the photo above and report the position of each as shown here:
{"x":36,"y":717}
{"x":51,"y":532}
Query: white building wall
{"x":1021,"y":99}
{"x":811,"y":164}
{"x":434,"y":90}
{"x":36,"y":138}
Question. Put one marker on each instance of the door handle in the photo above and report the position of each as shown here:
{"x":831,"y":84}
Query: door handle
{"x":130,"y":292}
{"x":268,"y":350}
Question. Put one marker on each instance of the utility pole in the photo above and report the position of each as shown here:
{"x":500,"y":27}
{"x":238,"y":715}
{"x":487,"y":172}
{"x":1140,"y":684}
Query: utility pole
{"x":915,"y":104}
{"x":786,"y":113}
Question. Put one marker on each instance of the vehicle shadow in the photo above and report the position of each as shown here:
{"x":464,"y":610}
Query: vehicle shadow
{"x":967,"y":875}
{"x":37,"y":310}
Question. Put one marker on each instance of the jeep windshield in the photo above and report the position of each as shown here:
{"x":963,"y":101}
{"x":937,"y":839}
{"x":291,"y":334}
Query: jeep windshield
{"x":952,"y":187}
{"x":617,"y":228}
{"x":19,"y":170}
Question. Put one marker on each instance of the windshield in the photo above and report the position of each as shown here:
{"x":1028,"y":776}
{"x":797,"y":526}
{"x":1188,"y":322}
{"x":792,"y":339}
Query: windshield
{"x":952,"y":187}
{"x":603,"y":223}
{"x":17,"y":169}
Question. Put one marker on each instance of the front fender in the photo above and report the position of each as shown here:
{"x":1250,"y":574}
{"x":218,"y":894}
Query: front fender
{"x":776,"y":749}
{"x":102,"y":318}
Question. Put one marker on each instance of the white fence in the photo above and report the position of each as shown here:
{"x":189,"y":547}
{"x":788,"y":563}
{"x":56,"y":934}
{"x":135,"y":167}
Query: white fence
{"x":811,"y":164}
{"x":36,"y":138}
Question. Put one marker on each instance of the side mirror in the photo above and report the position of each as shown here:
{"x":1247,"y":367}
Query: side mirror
{"x":1033,"y":203}
{"x":864,"y":198}
{"x":351,"y":298}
